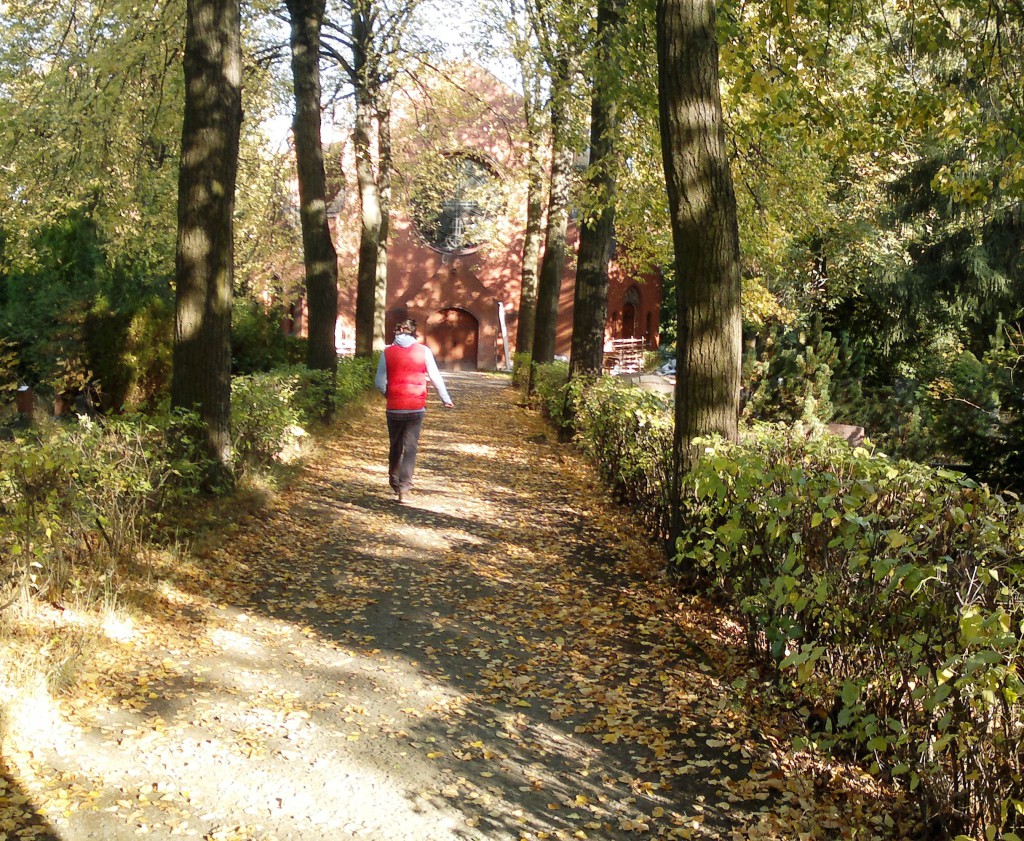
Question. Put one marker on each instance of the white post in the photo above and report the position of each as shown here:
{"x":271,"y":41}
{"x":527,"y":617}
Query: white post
{"x":504,"y":335}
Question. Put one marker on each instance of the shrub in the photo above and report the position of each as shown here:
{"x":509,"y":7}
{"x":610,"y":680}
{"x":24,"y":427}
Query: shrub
{"x":889,"y":594}
{"x":258,"y":344}
{"x":264,"y":416}
{"x":83,"y":491}
{"x":354,"y":378}
{"x":270,"y":410}
{"x":521,"y":369}
{"x":792,"y":380}
{"x":549,"y":383}
{"x":627,"y":433}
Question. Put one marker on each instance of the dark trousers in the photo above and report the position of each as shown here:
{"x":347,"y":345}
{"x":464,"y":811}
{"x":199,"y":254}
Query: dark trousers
{"x":404,"y":434}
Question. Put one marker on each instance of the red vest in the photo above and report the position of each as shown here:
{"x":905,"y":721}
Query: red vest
{"x":407,"y":377}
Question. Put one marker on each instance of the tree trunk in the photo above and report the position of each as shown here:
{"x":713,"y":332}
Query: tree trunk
{"x":385,"y":162}
{"x":590,"y":297}
{"x":369,"y":198}
{"x":549,"y":285}
{"x":702,"y":204}
{"x":527,"y":319}
{"x":321,"y":260}
{"x":204,"y":257}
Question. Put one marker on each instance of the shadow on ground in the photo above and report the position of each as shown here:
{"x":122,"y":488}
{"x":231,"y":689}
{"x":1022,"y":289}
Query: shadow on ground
{"x":497,"y":660}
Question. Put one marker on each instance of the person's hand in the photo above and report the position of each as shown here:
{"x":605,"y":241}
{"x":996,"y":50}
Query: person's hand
{"x":449,"y":405}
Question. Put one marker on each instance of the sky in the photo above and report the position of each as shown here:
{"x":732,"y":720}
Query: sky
{"x":451,"y":24}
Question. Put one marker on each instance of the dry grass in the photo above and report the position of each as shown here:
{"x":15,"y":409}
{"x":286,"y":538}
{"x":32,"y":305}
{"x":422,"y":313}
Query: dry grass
{"x":50,"y":634}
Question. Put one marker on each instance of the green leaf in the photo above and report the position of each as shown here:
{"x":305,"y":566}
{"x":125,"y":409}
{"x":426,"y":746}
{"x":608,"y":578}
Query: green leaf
{"x":897,"y":539}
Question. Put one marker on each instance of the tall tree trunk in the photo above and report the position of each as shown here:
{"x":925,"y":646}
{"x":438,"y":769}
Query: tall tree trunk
{"x":321,"y":260}
{"x":369,"y":198}
{"x":527,"y":319}
{"x":204,"y":258}
{"x":549,"y":285}
{"x":590,"y":297}
{"x":702,"y":203}
{"x":385,"y":163}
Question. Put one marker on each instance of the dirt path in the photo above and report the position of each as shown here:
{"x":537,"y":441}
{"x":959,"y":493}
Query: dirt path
{"x":497,"y":660}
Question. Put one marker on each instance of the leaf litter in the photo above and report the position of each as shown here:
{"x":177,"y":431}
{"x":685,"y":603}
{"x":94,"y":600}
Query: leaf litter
{"x":501,"y":659}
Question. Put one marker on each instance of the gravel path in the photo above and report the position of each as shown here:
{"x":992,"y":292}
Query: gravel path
{"x":492,"y":661}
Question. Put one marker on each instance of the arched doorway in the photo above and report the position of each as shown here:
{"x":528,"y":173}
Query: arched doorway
{"x":452,"y":334}
{"x":630,"y":305}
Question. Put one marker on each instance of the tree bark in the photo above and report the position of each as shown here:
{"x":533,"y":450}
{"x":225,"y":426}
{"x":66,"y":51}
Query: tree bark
{"x":702,"y":204}
{"x":527,"y":319}
{"x":549,"y":285}
{"x":320,"y":257}
{"x":369,"y":198}
{"x":204,"y":256}
{"x":384,"y":169}
{"x":590,"y":297}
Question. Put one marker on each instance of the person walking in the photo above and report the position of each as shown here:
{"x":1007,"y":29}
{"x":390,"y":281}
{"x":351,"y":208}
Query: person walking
{"x":402,"y":375}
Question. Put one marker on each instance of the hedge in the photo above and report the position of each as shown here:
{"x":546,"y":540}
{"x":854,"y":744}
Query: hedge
{"x":887,"y":594}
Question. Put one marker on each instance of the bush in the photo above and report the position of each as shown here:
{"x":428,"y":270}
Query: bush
{"x":889,"y":594}
{"x":792,"y":380}
{"x":258,"y":344}
{"x":521,"y":369}
{"x":549,"y":386}
{"x":627,"y":432}
{"x":270,"y":411}
{"x":79,"y":491}
{"x":354,"y":378}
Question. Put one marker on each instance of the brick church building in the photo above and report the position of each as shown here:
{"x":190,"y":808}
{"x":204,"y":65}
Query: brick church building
{"x":457,"y":227}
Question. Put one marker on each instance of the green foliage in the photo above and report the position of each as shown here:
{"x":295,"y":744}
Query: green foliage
{"x":354,"y":379}
{"x":549,"y":384}
{"x":79,"y":492}
{"x":8,"y":367}
{"x":264,"y":420}
{"x":791,"y":379}
{"x":979,"y":409}
{"x":626,"y":431}
{"x":1006,"y":445}
{"x":271,"y":410}
{"x":77,"y":319}
{"x":90,"y":113}
{"x":887,"y":593}
{"x":258,"y":343}
{"x":521,"y":369}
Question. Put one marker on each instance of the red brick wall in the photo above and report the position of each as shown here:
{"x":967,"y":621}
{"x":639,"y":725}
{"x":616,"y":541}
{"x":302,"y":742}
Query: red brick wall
{"x":423,"y":282}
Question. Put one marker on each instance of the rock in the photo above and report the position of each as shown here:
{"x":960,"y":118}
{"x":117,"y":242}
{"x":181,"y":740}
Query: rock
{"x":853,"y":435}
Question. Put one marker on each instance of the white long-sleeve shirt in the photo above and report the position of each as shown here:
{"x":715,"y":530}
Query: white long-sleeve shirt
{"x":405,"y":340}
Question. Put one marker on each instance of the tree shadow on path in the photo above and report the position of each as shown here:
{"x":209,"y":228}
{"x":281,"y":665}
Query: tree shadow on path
{"x":576,"y":706}
{"x":499,"y":660}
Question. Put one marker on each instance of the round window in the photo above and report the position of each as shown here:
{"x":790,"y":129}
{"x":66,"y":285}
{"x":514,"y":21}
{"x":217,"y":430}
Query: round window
{"x":454,"y":206}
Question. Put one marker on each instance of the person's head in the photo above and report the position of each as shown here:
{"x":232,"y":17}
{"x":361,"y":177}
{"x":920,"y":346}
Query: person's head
{"x":407,"y":327}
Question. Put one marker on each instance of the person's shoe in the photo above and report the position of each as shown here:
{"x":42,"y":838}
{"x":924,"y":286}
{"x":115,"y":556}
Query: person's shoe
{"x":403,"y":497}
